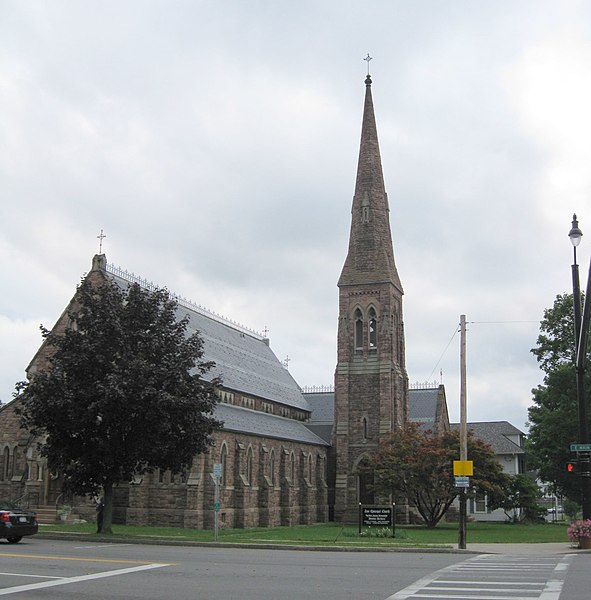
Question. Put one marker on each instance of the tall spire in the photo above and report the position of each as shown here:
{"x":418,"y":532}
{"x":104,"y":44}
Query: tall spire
{"x":371,"y":384}
{"x":370,"y":258}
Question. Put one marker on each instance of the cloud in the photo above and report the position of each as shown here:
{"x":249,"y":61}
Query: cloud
{"x":216,"y":145}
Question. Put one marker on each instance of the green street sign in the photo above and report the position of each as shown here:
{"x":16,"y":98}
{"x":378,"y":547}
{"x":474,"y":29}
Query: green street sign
{"x":580,"y":447}
{"x":216,"y":507}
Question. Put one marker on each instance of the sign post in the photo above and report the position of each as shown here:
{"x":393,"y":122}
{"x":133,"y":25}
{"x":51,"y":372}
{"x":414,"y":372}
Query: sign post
{"x":217,"y":475}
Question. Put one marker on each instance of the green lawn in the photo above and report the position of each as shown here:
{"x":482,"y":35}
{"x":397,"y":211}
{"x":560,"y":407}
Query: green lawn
{"x":331,"y":534}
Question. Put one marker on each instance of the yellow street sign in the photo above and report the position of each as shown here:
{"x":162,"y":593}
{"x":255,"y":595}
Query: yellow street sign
{"x":463,"y":468}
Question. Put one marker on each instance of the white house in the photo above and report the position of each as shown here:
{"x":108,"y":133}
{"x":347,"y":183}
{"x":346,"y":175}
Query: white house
{"x":507,"y":442}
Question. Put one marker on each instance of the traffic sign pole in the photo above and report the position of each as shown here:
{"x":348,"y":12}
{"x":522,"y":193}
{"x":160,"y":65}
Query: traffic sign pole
{"x":217,"y":475}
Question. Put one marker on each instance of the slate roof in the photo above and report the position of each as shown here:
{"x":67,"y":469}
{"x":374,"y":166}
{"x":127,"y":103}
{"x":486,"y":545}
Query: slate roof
{"x":322,"y":406}
{"x":244,"y":361}
{"x":244,"y":420}
{"x":423,"y":405}
{"x":494,"y":433}
{"x":322,"y":419}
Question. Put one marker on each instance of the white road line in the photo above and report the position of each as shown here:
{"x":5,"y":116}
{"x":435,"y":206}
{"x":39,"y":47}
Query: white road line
{"x":32,"y":576}
{"x":444,"y":588}
{"x":554,"y":585}
{"x":443,"y":580}
{"x":493,"y":583}
{"x":479,"y":597}
{"x":100,"y":546}
{"x":413,"y":588}
{"x":67,"y":580}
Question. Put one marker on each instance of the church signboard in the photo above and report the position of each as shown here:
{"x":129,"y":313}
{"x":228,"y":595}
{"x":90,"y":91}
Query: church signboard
{"x":376,"y":516}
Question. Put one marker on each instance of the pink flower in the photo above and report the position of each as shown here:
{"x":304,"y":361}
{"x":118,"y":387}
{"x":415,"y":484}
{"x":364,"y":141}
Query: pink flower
{"x":579,"y":529}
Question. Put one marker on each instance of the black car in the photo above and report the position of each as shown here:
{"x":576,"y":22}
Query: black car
{"x":15,"y":523}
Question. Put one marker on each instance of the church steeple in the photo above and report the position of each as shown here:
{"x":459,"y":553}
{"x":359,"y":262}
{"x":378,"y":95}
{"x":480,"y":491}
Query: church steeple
{"x":371,"y":384}
{"x":370,"y":258}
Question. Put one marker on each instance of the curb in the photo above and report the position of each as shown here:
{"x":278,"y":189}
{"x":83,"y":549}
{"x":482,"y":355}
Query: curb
{"x":288,"y":547}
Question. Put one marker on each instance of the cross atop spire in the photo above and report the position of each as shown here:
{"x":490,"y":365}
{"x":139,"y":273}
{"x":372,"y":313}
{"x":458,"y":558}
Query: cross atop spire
{"x":368,"y":78}
{"x":101,"y":237}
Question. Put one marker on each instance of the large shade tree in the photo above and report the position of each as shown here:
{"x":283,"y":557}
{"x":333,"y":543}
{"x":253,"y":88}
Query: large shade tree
{"x":419,"y":466}
{"x":553,"y":416}
{"x":122,"y":393}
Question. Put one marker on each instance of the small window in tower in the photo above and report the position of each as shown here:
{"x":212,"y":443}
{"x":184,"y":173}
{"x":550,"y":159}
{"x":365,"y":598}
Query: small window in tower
{"x":365,"y":208}
{"x":373,"y":330}
{"x":364,"y":423}
{"x":358,"y":330}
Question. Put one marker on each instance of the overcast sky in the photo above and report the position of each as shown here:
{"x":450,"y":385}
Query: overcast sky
{"x":215,"y":143}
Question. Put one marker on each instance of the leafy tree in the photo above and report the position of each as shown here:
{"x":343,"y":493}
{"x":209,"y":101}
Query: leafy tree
{"x":556,"y":341}
{"x":571,"y":508}
{"x":522,"y":492}
{"x":123,"y":391}
{"x":419,"y":466}
{"x":553,"y":417}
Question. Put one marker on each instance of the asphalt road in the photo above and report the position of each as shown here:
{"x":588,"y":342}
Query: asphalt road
{"x":115,"y":571}
{"x":50,"y":569}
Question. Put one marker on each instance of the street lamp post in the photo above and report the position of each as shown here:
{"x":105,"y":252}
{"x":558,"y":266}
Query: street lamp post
{"x":581,"y":338}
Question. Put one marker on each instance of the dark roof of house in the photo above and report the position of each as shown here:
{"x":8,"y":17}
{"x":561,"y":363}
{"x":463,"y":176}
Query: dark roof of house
{"x":244,"y":420}
{"x":495,"y":434}
{"x":243,"y":359}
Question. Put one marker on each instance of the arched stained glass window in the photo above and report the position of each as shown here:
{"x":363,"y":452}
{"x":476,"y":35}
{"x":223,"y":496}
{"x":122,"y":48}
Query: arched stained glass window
{"x":292,"y":467}
{"x":272,"y":466}
{"x":6,"y":463}
{"x":249,"y":466}
{"x":224,"y":463}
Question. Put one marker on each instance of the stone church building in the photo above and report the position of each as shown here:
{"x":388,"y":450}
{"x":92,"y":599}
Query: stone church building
{"x":287,"y":457}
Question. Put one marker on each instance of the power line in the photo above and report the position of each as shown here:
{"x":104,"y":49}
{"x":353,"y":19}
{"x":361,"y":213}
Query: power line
{"x":498,"y":322}
{"x":444,"y":351}
{"x":472,"y":323}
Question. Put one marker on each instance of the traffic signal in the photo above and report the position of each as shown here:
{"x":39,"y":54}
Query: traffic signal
{"x":572,"y":466}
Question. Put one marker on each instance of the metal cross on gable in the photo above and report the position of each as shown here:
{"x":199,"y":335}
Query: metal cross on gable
{"x":367,"y":59}
{"x":101,"y":237}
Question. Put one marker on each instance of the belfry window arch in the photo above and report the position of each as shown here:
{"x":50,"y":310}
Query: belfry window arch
{"x":372,"y":329}
{"x":358,"y":318}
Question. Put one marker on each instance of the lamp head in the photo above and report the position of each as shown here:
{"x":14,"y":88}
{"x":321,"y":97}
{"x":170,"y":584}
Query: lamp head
{"x":575,"y":234}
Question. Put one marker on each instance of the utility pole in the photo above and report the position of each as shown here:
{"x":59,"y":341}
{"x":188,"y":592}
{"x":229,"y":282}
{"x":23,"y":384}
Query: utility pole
{"x":463,"y":431}
{"x":581,"y":342}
